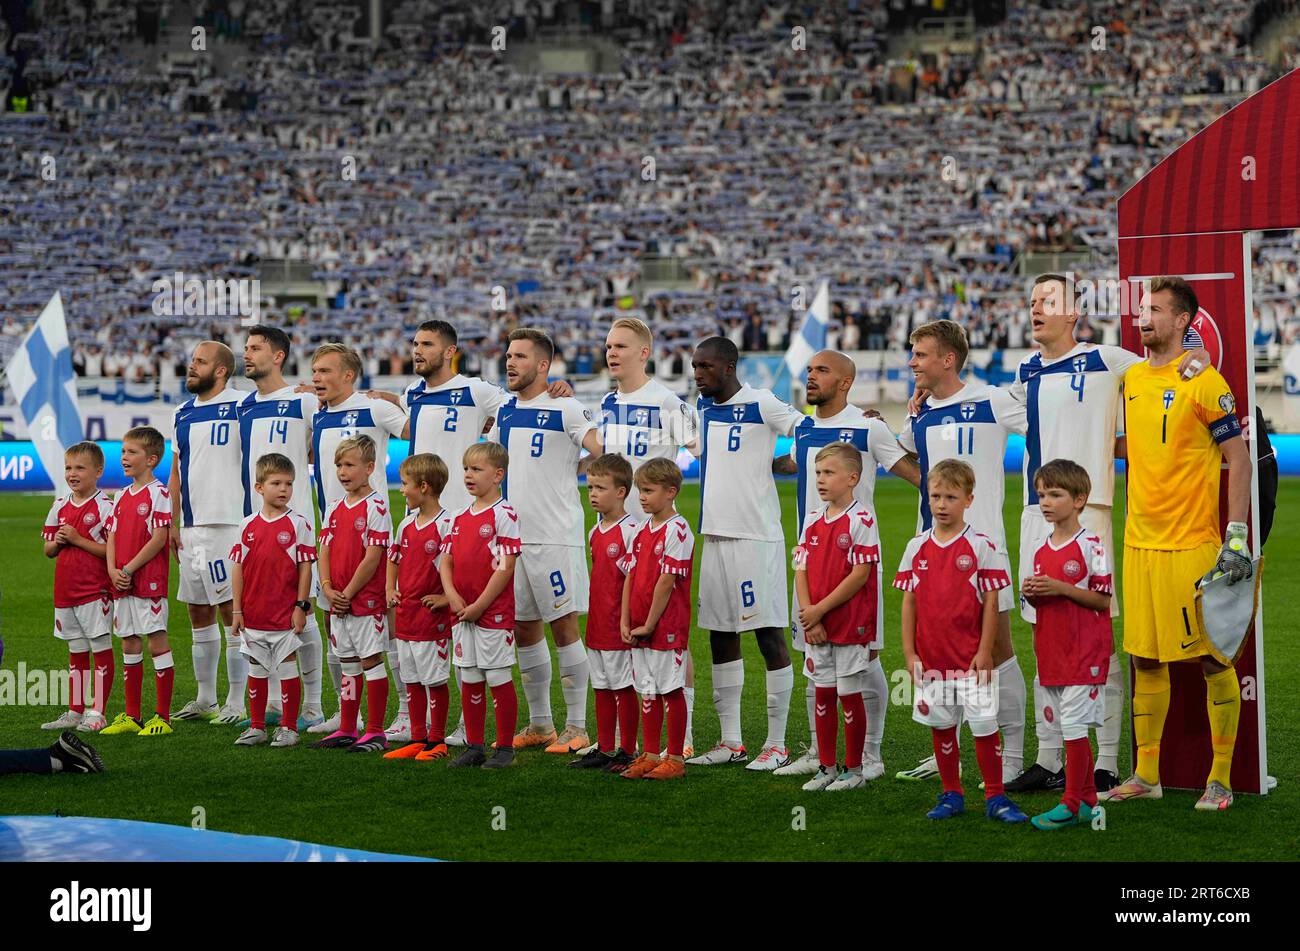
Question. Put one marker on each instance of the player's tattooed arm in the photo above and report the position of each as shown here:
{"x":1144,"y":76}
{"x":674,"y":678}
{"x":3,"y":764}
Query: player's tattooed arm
{"x":784,"y":465}
{"x":908,"y":468}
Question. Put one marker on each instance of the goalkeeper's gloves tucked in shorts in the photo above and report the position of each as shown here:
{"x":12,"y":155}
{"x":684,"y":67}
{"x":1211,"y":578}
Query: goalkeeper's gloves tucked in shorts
{"x":1234,"y":557}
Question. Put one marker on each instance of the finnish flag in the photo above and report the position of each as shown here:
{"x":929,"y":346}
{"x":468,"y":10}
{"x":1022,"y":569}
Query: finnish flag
{"x":45,"y":385}
{"x":812,"y":333}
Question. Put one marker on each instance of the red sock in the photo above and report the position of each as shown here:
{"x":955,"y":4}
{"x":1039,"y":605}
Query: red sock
{"x":471,"y":705}
{"x":948,"y":756}
{"x":828,"y":727}
{"x":988,"y":750}
{"x":606,"y":719}
{"x":132,"y":681}
{"x":164,"y":680}
{"x":855,"y":729}
{"x":652,"y":722}
{"x":1080,"y":784}
{"x":257,"y":702}
{"x":676,"y":704}
{"x":104,"y":670}
{"x":290,"y":701}
{"x":349,"y":703}
{"x":629,"y":708}
{"x":79,"y":672}
{"x":439,"y":700}
{"x":417,"y":708}
{"x":505,"y":704}
{"x":376,"y":703}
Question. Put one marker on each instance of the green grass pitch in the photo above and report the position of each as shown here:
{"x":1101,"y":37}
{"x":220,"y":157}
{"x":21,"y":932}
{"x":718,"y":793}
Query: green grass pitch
{"x":551,"y":812}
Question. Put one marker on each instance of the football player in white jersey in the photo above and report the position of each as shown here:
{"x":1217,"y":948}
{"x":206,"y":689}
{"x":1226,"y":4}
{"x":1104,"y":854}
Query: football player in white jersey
{"x":743,"y":583}
{"x":275,"y":417}
{"x":642,"y":420}
{"x":335,"y":371}
{"x":544,"y":437}
{"x":830,"y":379}
{"x":970,"y":422}
{"x":449,"y":412}
{"x":1071,"y":393}
{"x":205,"y":465}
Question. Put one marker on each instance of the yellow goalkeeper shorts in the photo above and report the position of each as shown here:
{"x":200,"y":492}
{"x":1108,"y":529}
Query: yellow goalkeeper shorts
{"x":1160,"y":601}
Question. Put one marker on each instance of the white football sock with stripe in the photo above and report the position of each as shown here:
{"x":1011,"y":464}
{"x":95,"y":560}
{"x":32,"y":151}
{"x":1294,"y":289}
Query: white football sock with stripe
{"x":780,"y":684}
{"x":535,"y":672}
{"x":310,"y":657}
{"x":205,"y":650}
{"x":728,"y":684}
{"x":575,"y":673}
{"x":1113,"y":718}
{"x":1012,"y":696}
{"x":876,"y":698}
{"x":236,"y":673}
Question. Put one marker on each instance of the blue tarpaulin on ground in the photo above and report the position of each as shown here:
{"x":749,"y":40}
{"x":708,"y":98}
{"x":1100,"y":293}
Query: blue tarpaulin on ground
{"x":77,"y":839}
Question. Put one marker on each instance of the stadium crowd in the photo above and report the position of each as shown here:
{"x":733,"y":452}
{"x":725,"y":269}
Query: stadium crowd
{"x":746,"y":166}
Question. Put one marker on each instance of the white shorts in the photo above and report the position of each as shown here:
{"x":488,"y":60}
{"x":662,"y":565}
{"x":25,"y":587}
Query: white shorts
{"x":425,"y":662}
{"x":550,"y":582}
{"x":826,"y":663}
{"x":1034,"y":528}
{"x":92,"y":619}
{"x":357,"y":636}
{"x":936,"y":703}
{"x":205,"y":563}
{"x":743,"y":585}
{"x":268,"y":648}
{"x":482,"y":647}
{"x":1074,"y":708}
{"x":134,"y":616}
{"x":610,"y":670}
{"x":658,"y":672}
{"x":878,"y":643}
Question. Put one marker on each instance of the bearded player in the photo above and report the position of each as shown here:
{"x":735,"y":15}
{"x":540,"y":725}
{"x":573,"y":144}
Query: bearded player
{"x":830,"y":378}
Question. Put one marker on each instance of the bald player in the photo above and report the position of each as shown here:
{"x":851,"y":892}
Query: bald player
{"x":831,"y":375}
{"x":206,"y":473}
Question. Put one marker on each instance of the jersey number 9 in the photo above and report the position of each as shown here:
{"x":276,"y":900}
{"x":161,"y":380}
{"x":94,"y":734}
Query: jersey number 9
{"x":536,"y":445}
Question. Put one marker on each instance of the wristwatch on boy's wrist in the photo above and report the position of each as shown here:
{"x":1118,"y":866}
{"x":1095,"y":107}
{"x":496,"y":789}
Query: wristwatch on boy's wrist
{"x":126,"y":571}
{"x":305,"y":605}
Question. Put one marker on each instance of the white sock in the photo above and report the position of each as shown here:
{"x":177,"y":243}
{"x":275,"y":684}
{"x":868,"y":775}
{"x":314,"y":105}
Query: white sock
{"x":780,"y":684}
{"x":876,"y":698}
{"x":1012,"y":696}
{"x":535,"y":672}
{"x":310,"y":658}
{"x":236,"y":673}
{"x":398,"y":687}
{"x":1108,"y":732}
{"x":810,"y":703}
{"x":460,"y":724}
{"x":205,"y":649}
{"x":728,"y":684}
{"x":273,"y":701}
{"x":575,"y":672}
{"x":1051,"y":744}
{"x":690,"y":715}
{"x":336,"y":673}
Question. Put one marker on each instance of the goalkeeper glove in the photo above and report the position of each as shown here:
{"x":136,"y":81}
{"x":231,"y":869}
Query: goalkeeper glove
{"x":1234,"y":557}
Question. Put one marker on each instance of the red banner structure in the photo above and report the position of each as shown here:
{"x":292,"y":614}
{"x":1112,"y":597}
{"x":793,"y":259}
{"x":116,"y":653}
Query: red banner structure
{"x":1191,"y":216}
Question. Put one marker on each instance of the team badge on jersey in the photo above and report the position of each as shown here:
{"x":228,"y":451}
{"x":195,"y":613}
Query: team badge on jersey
{"x":284,"y":538}
{"x":738,"y":413}
{"x":455,"y":396}
{"x":844,"y":541}
{"x":485,"y":531}
{"x":612,"y":550}
{"x":543,"y":415}
{"x":967,"y":411}
{"x":88,"y":518}
{"x":282,"y":407}
{"x":846,"y":435}
{"x":429,"y":547}
{"x":142,"y":508}
{"x":350,"y":419}
{"x":965,"y":562}
{"x":1073,"y":568}
{"x":224,"y":410}
{"x":1168,"y":399}
{"x":359,"y":524}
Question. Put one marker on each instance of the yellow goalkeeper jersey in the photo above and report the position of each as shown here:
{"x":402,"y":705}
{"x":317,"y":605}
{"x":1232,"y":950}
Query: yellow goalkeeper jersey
{"x":1174,"y":429}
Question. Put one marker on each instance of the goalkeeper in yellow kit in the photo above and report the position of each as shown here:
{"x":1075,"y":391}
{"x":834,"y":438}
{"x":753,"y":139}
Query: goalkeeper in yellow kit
{"x":1178,"y":431}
